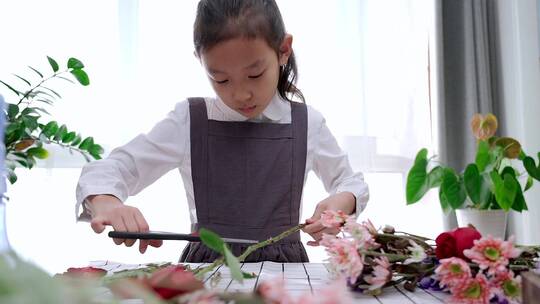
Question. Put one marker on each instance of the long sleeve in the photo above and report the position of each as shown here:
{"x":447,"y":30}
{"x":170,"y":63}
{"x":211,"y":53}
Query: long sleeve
{"x":132,"y":167}
{"x":331,"y":165}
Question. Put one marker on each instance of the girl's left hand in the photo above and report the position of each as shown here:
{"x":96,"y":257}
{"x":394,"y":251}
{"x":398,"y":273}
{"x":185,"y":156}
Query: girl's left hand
{"x":344,"y":201}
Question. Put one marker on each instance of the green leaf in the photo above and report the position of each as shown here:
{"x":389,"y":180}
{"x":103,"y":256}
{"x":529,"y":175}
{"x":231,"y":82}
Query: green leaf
{"x":96,"y":151}
{"x":68,"y":137}
{"x":74,"y":63}
{"x":21,"y":78}
{"x":445,"y":206}
{"x":86,"y":143}
{"x":76,"y":140}
{"x":37,"y":72}
{"x":532,"y":169}
{"x":30,"y":122}
{"x":45,"y":100}
{"x":12,"y":110}
{"x":38,"y":92}
{"x":11,"y":88}
{"x":54,"y":64}
{"x":52,"y":91}
{"x":249,"y":275}
{"x":233,"y":264}
{"x":475,"y":184}
{"x":453,"y":189}
{"x":50,"y":129}
{"x":529,"y":183}
{"x":482,"y":155}
{"x":212,"y":240}
{"x":38,"y":152}
{"x":60,"y":133}
{"x":66,"y":79}
{"x":519,"y":203}
{"x":29,"y":110}
{"x":42,"y":110}
{"x":12,"y":177}
{"x":505,"y":189}
{"x":417,"y":178}
{"x":81,"y":76}
{"x":435,"y":177}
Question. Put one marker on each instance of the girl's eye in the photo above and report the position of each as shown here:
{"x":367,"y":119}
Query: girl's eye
{"x":221,"y":81}
{"x":256,"y":76}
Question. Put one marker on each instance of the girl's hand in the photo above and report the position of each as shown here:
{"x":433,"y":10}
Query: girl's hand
{"x":344,"y":201}
{"x":107,"y":210}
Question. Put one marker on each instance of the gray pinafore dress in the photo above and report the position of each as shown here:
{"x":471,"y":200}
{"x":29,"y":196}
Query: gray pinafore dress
{"x":247,"y":181}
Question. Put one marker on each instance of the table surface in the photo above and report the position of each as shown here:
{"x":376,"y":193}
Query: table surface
{"x":299,"y":277}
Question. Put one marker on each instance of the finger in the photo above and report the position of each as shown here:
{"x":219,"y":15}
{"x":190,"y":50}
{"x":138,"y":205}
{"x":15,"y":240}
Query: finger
{"x":313,"y":243}
{"x":131,"y":226}
{"x":315,"y":227}
{"x":156,"y":243}
{"x":118,"y":225}
{"x":143,"y":227}
{"x":98,"y":224}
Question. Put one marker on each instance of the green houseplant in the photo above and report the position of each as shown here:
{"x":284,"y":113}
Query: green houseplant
{"x":27,"y":134}
{"x":493,"y":181}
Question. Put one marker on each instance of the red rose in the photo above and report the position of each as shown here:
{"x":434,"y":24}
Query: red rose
{"x":85,"y":272}
{"x":451,"y":244}
{"x":172,"y":281}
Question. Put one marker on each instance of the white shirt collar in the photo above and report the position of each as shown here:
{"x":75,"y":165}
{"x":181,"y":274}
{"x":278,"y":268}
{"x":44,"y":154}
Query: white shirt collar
{"x":275,"y":110}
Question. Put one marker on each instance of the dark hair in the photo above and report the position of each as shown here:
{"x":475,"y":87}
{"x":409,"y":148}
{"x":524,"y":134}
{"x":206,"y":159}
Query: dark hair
{"x":220,"y":20}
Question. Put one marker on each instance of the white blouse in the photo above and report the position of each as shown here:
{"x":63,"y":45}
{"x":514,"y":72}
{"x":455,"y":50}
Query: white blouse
{"x":132,"y":167}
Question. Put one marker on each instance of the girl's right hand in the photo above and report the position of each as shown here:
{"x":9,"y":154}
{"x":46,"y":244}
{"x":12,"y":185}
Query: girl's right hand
{"x":107,"y":210}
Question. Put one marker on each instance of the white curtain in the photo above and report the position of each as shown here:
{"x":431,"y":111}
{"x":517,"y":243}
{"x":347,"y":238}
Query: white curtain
{"x":363,"y":63}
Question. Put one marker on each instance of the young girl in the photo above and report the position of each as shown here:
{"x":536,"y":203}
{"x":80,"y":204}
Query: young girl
{"x":244,"y":155}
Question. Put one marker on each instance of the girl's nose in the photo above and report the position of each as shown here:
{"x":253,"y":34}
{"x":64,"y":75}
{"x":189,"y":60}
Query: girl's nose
{"x":242,"y":95}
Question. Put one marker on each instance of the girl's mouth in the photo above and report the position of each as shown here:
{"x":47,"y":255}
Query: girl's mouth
{"x":248,"y":110}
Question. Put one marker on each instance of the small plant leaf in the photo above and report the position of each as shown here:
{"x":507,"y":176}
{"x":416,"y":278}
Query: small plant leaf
{"x":435,"y":177}
{"x":505,"y":189}
{"x":475,"y":184}
{"x":52,"y":91}
{"x":482,"y":155}
{"x":54,"y":64}
{"x":68,"y":137}
{"x":529,"y":183}
{"x":86,"y":143}
{"x":74,"y":63}
{"x":23,"y":79}
{"x":212,"y":240}
{"x":531,"y":168}
{"x":444,"y":202}
{"x":12,"y":110}
{"x":233,"y":264}
{"x":417,"y":178}
{"x":50,"y":129}
{"x":37,"y":72}
{"x":453,"y":189}
{"x":81,"y":76}
{"x":60,"y":133}
{"x":95,"y":150}
{"x":11,"y":88}
{"x":38,"y":152}
{"x":76,"y":140}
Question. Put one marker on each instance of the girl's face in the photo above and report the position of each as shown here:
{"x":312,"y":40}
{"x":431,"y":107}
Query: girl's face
{"x":245,"y":72}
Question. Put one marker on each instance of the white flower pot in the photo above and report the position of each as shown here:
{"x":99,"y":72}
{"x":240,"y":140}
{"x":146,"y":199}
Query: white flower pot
{"x":487,"y":222}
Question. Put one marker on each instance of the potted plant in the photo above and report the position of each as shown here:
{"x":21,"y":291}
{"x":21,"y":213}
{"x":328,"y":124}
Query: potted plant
{"x":26,"y":134}
{"x":489,"y":187}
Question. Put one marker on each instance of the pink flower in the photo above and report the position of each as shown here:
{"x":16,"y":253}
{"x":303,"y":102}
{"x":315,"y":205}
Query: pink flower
{"x":471,"y":291}
{"x":492,"y":253}
{"x":380,"y":275}
{"x":333,"y":219}
{"x":507,"y":286}
{"x":452,"y":271}
{"x":343,"y":256}
{"x":274,"y":292}
{"x":369,"y":226}
{"x":360,"y":233}
{"x":335,"y":293}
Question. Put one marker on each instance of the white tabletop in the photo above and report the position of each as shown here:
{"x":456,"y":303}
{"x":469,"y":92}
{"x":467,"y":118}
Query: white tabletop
{"x":299,"y":277}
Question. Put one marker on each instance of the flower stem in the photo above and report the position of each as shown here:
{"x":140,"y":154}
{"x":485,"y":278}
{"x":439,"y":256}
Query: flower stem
{"x":201,"y":271}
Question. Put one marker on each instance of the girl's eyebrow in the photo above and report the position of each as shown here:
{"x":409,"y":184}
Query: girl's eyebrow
{"x":251,"y":66}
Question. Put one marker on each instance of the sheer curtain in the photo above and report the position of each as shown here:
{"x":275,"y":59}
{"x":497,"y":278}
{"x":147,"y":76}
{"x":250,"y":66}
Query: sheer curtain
{"x":363,"y":64}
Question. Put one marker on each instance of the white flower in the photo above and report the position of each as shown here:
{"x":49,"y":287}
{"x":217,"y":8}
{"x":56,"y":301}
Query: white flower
{"x":417,"y":253}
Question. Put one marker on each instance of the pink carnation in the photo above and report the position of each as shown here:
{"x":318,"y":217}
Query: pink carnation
{"x":492,"y":253}
{"x":471,"y":291}
{"x":360,"y":233}
{"x":507,"y":286}
{"x":380,"y":275}
{"x":453,"y":270}
{"x":333,"y":219}
{"x":344,"y":256}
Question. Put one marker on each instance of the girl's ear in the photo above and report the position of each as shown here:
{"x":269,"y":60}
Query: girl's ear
{"x":285,"y":49}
